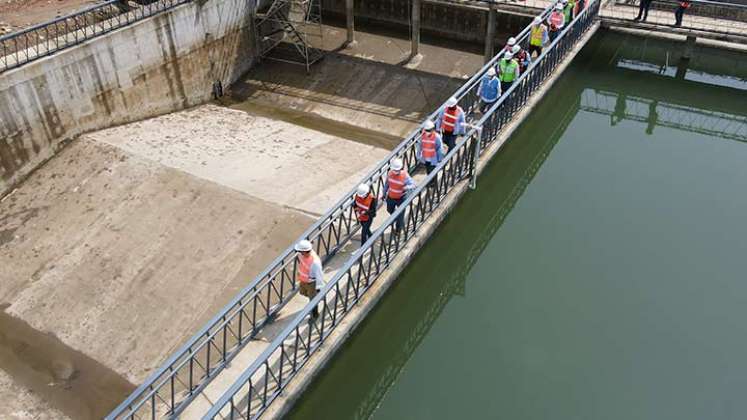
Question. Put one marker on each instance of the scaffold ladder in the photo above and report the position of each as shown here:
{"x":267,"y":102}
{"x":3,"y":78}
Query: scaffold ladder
{"x":291,"y":31}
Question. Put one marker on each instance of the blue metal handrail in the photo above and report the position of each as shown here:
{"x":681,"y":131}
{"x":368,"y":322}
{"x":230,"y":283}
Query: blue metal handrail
{"x":429,"y":193}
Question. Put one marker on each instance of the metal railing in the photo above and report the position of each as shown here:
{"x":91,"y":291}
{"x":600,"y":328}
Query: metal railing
{"x":186,"y":373}
{"x":270,"y":373}
{"x":38,"y":41}
{"x":715,"y":17}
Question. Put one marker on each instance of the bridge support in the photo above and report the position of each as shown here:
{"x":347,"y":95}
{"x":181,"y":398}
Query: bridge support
{"x":350,"y":16}
{"x":689,"y":47}
{"x":490,"y":35}
{"x":415,"y":29}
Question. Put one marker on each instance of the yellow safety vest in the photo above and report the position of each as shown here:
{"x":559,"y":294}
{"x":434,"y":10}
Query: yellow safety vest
{"x":538,"y":33}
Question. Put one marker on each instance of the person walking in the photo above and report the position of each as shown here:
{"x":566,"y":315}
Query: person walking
{"x":509,"y":44}
{"x":680,"y":11}
{"x":521,"y":57}
{"x":538,"y":37}
{"x":398,"y":182}
{"x":643,"y":7}
{"x":556,"y":21}
{"x":569,"y":10}
{"x":429,"y":150}
{"x":364,"y":205}
{"x":509,"y":71}
{"x":309,"y":273}
{"x":490,"y":90}
{"x":451,"y":122}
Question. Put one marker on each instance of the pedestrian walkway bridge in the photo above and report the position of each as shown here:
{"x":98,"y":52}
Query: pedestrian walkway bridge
{"x":239,"y":363}
{"x":241,"y":360}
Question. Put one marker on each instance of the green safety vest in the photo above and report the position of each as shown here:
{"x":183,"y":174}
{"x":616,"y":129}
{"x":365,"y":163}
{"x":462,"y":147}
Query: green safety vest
{"x":508,"y":70}
{"x":568,"y":11}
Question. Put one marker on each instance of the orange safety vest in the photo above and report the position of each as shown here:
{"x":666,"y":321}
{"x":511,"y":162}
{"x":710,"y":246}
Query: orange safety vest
{"x":449,"y":120}
{"x":396,"y":184}
{"x":557,"y":19}
{"x":304,"y":266}
{"x":362,"y":205}
{"x":428,"y":144}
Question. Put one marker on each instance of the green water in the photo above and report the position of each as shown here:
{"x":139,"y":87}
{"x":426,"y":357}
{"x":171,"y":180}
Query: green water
{"x":598,"y":272}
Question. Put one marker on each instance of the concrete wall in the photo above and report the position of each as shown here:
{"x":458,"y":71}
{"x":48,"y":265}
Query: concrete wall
{"x":155,"y":66}
{"x":441,"y":20}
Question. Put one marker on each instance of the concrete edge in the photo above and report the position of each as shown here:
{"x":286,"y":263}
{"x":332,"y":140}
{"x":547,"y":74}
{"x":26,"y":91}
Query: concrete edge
{"x":319,"y":360}
{"x":714,"y":43}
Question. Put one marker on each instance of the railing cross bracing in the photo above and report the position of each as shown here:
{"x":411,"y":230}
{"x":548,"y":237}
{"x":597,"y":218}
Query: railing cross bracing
{"x":263,"y":381}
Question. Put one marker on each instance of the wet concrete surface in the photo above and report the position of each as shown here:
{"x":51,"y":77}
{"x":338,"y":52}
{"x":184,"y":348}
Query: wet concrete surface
{"x":77,"y":385}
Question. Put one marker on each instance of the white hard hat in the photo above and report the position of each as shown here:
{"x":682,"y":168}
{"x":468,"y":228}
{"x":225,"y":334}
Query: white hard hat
{"x":559,"y":6}
{"x":303,"y":246}
{"x":429,"y":125}
{"x":397,"y":164}
{"x":537,"y":20}
{"x":516,"y":49}
{"x":511,"y":41}
{"x":509,"y":55}
{"x":491,"y":71}
{"x":362,"y":190}
{"x":452,"y":102}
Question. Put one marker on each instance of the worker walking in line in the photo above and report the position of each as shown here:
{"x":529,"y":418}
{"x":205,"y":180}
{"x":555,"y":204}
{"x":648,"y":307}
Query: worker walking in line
{"x":679,"y":12}
{"x":569,"y":8}
{"x":309,"y":273}
{"x":451,"y":122}
{"x":556,"y":21}
{"x":398,"y":182}
{"x":508,"y":71}
{"x":538,"y":37}
{"x":490,"y":90}
{"x":643,"y":10}
{"x":364,"y":206}
{"x":509,"y":44}
{"x":521,"y":57}
{"x":430,"y":148}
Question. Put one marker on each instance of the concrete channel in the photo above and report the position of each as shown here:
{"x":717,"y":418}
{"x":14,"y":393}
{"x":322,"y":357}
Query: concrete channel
{"x":135,"y":206}
{"x":126,"y":240}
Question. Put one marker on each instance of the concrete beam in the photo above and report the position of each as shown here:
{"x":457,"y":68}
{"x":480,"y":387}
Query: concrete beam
{"x":490,"y":35}
{"x":350,"y":17}
{"x":415,"y":29}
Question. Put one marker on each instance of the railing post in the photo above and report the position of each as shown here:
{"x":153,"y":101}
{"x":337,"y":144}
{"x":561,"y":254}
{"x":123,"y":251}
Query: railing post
{"x":475,"y":157}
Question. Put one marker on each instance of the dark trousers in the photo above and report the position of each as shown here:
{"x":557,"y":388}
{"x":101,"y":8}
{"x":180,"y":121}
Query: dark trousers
{"x":429,"y":167}
{"x":485,"y":106}
{"x":505,"y":86}
{"x":643,"y":10}
{"x":678,"y":15}
{"x":449,"y":139}
{"x":391,"y":206}
{"x":534,"y":48}
{"x":365,"y":230}
{"x":553,"y":34}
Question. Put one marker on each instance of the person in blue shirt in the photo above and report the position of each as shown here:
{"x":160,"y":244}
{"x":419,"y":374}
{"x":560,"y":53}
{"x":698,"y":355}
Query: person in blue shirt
{"x":429,"y":151}
{"x":490,"y":90}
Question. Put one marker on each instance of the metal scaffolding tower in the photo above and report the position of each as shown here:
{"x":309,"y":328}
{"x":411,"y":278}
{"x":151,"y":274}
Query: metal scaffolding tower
{"x":291,"y":31}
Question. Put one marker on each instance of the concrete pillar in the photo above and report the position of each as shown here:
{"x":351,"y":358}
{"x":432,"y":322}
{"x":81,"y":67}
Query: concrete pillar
{"x":415,"y":27}
{"x":350,"y":15}
{"x":689,"y":47}
{"x":490,"y":35}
